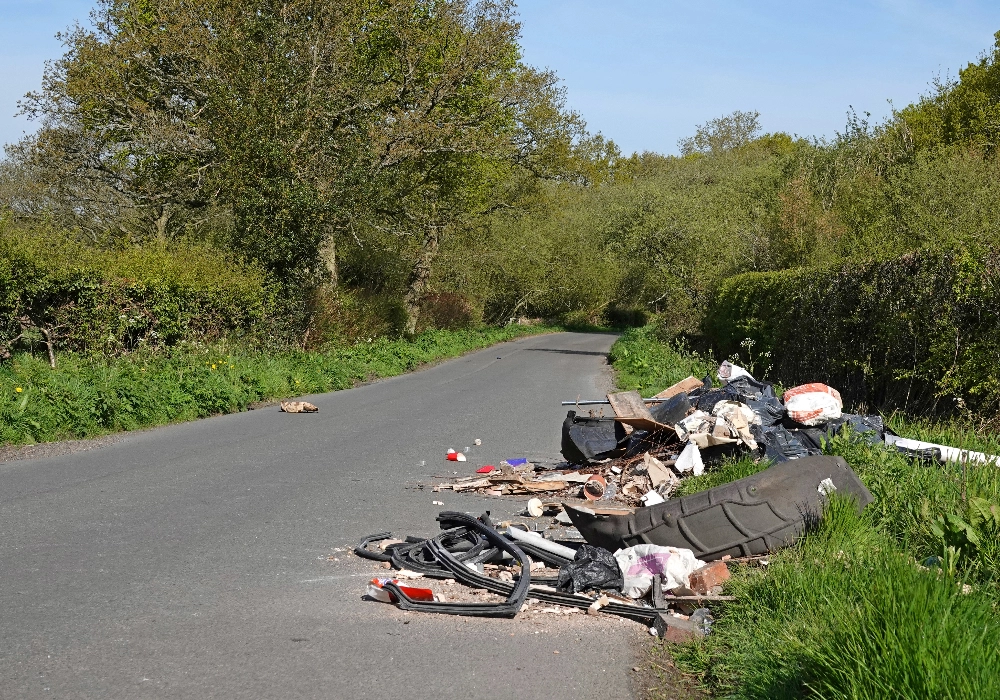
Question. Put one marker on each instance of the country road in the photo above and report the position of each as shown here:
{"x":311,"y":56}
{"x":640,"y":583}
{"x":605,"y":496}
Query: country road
{"x":196,"y":560}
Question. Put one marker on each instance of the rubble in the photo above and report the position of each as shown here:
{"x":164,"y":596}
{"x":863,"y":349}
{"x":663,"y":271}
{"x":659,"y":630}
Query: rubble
{"x":637,"y":551}
{"x":297,"y":407}
{"x":471,"y":552}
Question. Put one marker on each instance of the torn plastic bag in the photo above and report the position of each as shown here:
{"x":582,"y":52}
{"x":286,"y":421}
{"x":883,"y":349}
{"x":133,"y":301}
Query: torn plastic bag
{"x":870,"y":429}
{"x":747,"y":388}
{"x":781,"y":444}
{"x":672,"y":410}
{"x":591,"y":568}
{"x":706,"y":402}
{"x":706,"y":385}
{"x":754,"y":515}
{"x":729,"y":372}
{"x":587,"y":440}
{"x":813,"y":404}
{"x":769,"y":411}
{"x":639,"y":564}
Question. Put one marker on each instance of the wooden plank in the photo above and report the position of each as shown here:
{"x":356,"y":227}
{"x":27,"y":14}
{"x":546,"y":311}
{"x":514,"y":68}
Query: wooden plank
{"x":538,"y":486}
{"x":684,"y":385}
{"x":644,"y":424}
{"x":629,"y":404}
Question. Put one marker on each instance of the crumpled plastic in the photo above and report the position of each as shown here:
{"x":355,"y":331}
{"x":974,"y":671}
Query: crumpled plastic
{"x":728,"y":372}
{"x":639,"y":564}
{"x":689,"y":460}
{"x":813,"y":404}
{"x":592,"y":567}
{"x":781,"y":444}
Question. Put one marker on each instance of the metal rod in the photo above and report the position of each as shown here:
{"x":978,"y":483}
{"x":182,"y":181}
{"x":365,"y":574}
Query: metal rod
{"x":605,"y":402}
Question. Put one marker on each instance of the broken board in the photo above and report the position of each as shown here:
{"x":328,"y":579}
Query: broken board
{"x":683,"y":386}
{"x":630,"y":409}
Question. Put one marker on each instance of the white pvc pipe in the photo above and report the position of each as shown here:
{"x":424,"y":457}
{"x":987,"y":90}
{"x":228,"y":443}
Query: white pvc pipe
{"x":533,"y":538}
{"x":949,"y":454}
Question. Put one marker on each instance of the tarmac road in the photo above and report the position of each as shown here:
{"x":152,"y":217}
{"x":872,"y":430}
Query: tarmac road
{"x":195,"y":561}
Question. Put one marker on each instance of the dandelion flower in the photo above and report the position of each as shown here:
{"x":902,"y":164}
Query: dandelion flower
{"x":18,"y":389}
{"x":213,"y":366}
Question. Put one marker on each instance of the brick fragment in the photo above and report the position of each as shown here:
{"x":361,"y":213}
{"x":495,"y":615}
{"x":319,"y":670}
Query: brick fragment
{"x":708,"y":579}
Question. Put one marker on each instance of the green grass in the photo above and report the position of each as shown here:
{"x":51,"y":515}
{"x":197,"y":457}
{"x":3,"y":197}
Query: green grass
{"x":89,"y":396}
{"x":851,"y":612}
{"x":644,"y":363}
{"x":846,"y":615}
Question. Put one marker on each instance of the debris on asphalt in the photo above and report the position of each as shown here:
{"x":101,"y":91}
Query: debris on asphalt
{"x":535,"y":507}
{"x":377,"y":591}
{"x":297,"y":407}
{"x":591,"y":568}
{"x":618,"y":540}
{"x":502,"y":577}
{"x":641,"y":563}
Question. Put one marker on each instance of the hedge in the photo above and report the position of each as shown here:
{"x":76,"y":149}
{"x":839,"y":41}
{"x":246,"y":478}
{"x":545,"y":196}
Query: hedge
{"x":87,"y":299}
{"x":919,"y":333}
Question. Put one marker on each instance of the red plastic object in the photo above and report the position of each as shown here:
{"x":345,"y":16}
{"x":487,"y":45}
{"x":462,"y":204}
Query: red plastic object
{"x":376,"y":591}
{"x":486,"y":470}
{"x":455,"y":457}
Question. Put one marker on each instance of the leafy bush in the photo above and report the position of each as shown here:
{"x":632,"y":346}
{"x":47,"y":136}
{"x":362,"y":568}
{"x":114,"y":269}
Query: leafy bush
{"x":56,"y":288}
{"x":917,"y":332}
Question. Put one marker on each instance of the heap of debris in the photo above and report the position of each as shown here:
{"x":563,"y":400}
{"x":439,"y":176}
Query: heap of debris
{"x":638,"y":456}
{"x":640,"y":553}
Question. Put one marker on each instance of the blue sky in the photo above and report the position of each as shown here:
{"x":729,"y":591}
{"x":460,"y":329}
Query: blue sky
{"x":645,"y":72}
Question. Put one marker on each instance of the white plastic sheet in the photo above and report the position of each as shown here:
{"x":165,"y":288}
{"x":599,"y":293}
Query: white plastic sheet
{"x":641,"y":563}
{"x":689,"y":460}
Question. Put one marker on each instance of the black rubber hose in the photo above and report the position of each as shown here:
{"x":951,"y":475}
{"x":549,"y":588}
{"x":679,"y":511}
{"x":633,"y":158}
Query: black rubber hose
{"x":362,"y":549}
{"x":515,"y":596}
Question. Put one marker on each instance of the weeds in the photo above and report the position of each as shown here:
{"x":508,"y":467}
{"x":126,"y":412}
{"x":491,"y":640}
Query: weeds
{"x":648,"y":366}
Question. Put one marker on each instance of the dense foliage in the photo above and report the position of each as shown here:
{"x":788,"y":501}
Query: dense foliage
{"x":918,"y":332}
{"x":57,"y":292}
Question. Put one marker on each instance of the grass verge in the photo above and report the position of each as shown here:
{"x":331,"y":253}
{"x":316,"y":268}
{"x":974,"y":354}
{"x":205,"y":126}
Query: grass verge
{"x":897,"y":602}
{"x":90,"y":396}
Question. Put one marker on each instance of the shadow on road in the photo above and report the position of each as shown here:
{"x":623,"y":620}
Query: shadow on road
{"x":568,"y":352}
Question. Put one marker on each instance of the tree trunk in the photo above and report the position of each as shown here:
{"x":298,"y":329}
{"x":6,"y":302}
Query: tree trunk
{"x":418,"y":279}
{"x":161,"y":223}
{"x":328,"y":256}
{"x":49,"y":345}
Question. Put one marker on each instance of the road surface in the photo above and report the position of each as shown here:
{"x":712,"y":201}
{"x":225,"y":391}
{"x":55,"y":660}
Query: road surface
{"x":197,"y":560}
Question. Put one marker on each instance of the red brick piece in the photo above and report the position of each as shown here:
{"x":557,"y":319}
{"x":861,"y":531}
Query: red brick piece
{"x":705,"y":580}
